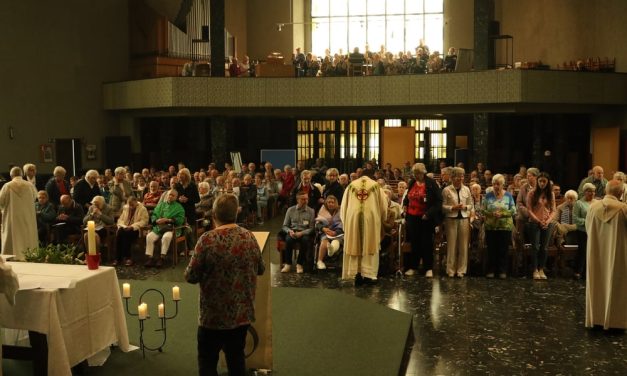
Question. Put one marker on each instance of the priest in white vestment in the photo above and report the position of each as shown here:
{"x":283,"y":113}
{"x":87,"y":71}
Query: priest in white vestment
{"x":606,"y":285}
{"x":8,"y":288}
{"x":364,"y":208}
{"x":19,"y":221}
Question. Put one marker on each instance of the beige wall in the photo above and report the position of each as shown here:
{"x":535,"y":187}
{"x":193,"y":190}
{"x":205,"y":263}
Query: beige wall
{"x":562,"y":30}
{"x":263,"y":36}
{"x":458,"y":24}
{"x":235,"y":22}
{"x":54,"y":57}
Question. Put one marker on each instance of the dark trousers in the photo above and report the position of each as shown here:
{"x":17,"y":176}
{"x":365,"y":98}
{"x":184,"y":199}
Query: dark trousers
{"x":420,"y":235}
{"x":289,"y":248}
{"x":231,"y":341}
{"x":582,"y":252}
{"x":498,"y":245}
{"x":124,"y":242}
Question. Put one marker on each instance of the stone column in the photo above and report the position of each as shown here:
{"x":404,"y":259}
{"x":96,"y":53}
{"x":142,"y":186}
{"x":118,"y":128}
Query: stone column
{"x":220,"y":143}
{"x":483,"y":52}
{"x":217,"y":37}
{"x":481,"y":122}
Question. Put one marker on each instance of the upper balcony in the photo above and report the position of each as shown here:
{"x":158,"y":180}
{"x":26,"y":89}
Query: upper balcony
{"x":535,"y":91}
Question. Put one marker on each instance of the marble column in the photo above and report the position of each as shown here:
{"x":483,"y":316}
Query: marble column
{"x":220,"y":141}
{"x":217,"y":37}
{"x":481,"y":123}
{"x":483,"y":46}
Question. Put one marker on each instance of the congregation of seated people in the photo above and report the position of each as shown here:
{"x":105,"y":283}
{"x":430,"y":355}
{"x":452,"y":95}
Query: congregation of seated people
{"x":467,"y":212}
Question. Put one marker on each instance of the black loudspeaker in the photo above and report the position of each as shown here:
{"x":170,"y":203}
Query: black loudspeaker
{"x":494,"y":28}
{"x":204,"y":31}
{"x":461,"y":155}
{"x":117,"y":151}
{"x":327,"y":332}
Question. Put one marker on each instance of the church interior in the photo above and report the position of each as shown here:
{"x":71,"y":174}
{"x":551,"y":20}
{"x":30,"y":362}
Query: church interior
{"x":142,"y":84}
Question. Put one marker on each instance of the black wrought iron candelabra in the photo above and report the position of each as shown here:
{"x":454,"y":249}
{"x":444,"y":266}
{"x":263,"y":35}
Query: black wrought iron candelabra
{"x":143,"y":316}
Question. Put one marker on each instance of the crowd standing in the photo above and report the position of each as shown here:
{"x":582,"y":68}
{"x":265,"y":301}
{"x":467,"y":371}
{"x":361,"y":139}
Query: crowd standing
{"x":361,"y":211}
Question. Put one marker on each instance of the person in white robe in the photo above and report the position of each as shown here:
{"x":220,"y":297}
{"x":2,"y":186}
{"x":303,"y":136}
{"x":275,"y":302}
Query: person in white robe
{"x":364,"y":208}
{"x":606,"y":285}
{"x":19,"y":220}
{"x":8,"y":287}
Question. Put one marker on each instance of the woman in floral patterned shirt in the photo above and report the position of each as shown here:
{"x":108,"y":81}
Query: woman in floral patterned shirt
{"x":226,"y":263}
{"x":498,"y":209}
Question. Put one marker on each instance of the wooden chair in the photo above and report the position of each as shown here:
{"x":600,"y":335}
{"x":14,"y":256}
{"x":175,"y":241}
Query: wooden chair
{"x":176,"y":241}
{"x":355,"y":69}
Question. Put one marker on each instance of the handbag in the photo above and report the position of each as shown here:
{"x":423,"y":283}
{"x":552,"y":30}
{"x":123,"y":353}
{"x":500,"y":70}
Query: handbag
{"x":406,"y":247}
{"x":165,"y":227}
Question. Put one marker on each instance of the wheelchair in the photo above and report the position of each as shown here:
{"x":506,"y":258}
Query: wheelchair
{"x":335,"y":250}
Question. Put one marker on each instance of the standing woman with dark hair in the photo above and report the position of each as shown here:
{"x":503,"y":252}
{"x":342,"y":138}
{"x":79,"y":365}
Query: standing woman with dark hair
{"x":541,"y":206}
{"x":423,"y":211}
{"x":226,"y":263}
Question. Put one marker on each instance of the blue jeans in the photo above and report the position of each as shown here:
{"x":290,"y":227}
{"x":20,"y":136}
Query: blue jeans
{"x":540,"y":238}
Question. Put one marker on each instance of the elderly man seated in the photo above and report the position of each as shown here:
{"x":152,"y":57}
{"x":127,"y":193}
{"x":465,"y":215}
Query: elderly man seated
{"x":45,"y":216}
{"x":151,"y":198}
{"x":564,"y":218}
{"x":167,"y":215}
{"x":69,"y":219}
{"x":102,"y":215}
{"x":298,"y":226}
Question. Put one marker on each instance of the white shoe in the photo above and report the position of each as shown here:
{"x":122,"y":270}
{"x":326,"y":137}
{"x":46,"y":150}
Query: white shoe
{"x":451,"y":275}
{"x":460,"y":275}
{"x":410,"y":272}
{"x":286,"y":268}
{"x":536,"y":275}
{"x":542,"y":275}
{"x":299,"y":269}
{"x":429,"y":274}
{"x":321,"y":265}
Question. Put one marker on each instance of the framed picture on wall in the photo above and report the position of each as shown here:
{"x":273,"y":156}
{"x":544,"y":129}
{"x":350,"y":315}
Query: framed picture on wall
{"x":47,"y":153}
{"x":91,"y":152}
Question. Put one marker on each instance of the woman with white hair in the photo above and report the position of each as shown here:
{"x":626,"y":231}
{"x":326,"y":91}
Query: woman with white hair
{"x":102,"y":215}
{"x":498,"y":210}
{"x":423,"y":208}
{"x":57,"y":186}
{"x":30,"y":175}
{"x":580,"y":212}
{"x":333,"y":186}
{"x":328,"y":225}
{"x":86,"y":189}
{"x":120,"y":190}
{"x":457,"y":206}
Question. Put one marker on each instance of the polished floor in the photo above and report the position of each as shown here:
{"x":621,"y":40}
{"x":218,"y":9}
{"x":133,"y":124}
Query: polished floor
{"x":479,"y":326}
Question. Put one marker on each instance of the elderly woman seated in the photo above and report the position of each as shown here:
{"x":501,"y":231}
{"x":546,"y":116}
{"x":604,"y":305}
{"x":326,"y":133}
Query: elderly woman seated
{"x":102,"y":215}
{"x":203,"y":207}
{"x":330,"y":229}
{"x":133,"y":218}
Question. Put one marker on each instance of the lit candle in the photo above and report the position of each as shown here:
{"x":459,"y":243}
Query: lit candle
{"x":161,"y":310}
{"x":142,"y":311}
{"x":91,"y":237}
{"x":176,"y":293}
{"x":126,"y":290}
